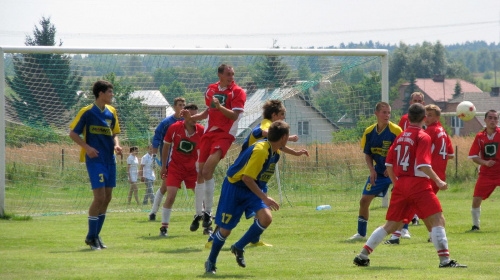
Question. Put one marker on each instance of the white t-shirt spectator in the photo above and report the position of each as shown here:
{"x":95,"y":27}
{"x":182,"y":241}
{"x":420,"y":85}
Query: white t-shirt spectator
{"x":147,"y":167}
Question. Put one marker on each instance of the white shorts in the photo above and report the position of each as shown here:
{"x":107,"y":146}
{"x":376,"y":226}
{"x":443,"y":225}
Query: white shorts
{"x":133,"y":178}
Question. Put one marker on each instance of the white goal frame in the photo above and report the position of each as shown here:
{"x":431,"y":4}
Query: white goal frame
{"x":382,"y":53}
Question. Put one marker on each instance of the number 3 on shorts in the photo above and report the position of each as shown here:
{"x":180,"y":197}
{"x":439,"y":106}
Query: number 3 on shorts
{"x":226,"y":218}
{"x":101,"y":177}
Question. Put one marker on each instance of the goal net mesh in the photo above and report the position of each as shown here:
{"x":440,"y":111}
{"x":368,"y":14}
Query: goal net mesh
{"x":329,"y":102}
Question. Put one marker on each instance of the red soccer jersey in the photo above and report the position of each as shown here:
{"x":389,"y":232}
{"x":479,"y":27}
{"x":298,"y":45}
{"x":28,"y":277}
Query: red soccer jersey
{"x":410,"y":150}
{"x":441,"y":148}
{"x":404,"y":122}
{"x":184,"y":147}
{"x":487,"y":148}
{"x":233,"y":97}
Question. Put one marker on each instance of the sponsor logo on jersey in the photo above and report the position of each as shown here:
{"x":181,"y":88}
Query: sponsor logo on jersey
{"x":222,"y":100}
{"x":95,"y":129}
{"x":490,"y":150}
{"x":186,"y":146}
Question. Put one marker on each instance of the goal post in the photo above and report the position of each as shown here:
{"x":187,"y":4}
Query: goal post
{"x":327,"y":93}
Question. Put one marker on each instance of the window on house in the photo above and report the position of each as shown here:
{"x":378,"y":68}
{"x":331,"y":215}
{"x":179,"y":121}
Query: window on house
{"x":456,"y":122}
{"x":155,"y":113}
{"x":303,"y":127}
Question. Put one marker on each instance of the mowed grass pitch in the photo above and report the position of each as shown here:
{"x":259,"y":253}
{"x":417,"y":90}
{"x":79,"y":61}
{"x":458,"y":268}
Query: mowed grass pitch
{"x":308,"y":244}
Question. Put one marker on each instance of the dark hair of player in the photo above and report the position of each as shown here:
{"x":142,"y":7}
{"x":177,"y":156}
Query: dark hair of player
{"x":277,"y":130}
{"x":416,"y":113}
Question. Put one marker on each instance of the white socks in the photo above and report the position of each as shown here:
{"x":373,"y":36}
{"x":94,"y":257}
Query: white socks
{"x":199,"y":195}
{"x":157,"y":201}
{"x":373,"y":241}
{"x":476,"y":213}
{"x":209,"y":195}
{"x":438,"y":236}
{"x":165,"y":215}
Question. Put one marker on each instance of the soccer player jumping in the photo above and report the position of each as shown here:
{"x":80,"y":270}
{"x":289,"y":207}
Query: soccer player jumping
{"x":409,"y":166}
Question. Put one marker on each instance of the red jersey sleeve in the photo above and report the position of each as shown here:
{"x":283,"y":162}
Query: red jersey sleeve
{"x":239,"y":99}
{"x":169,"y":136}
{"x":403,"y":123}
{"x":475,"y":149}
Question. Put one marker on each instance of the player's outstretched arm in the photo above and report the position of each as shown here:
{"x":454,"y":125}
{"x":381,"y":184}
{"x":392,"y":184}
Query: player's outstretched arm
{"x":293,"y":152}
{"x":200,"y":116}
{"x":434,"y":177}
{"x":293,"y":138}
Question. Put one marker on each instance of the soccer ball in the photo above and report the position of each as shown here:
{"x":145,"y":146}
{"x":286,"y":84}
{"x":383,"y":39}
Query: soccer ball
{"x":466,"y":111}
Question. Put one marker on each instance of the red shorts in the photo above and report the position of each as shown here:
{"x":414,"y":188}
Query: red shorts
{"x":412,"y":195}
{"x":175,"y":177}
{"x":212,"y":141}
{"x":485,"y":185}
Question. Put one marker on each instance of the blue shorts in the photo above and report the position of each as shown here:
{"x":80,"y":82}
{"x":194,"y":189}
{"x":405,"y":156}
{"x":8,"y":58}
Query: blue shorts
{"x":101,"y":175}
{"x":381,"y":186}
{"x":233,"y":202}
{"x":249,"y":213}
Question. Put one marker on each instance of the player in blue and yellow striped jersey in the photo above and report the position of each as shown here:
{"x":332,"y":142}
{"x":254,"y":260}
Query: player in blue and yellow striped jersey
{"x":98,"y":123}
{"x":273,"y":110}
{"x":243,"y":189}
{"x":376,"y":141}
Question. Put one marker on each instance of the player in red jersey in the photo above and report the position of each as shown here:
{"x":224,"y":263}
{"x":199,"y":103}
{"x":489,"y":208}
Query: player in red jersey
{"x":183,"y":137}
{"x":484,"y":151}
{"x":441,"y":148}
{"x":225,"y":101}
{"x":409,"y":166}
{"x":415,"y":97}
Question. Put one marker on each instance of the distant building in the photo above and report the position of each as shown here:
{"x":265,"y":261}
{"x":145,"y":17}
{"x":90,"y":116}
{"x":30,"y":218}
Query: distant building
{"x":158,"y":106}
{"x":441,"y":92}
{"x":304,"y":119}
{"x":483,"y":101}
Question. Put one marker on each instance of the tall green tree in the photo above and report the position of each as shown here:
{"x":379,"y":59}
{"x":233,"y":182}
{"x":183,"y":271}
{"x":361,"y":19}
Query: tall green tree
{"x":45,"y":86}
{"x":458,"y":89}
{"x":271,"y":73}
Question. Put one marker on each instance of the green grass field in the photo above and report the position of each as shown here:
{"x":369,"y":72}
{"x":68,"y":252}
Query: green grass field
{"x":308,"y":244}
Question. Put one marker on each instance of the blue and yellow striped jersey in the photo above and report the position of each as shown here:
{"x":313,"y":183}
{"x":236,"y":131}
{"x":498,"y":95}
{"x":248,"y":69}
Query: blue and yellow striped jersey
{"x":98,"y":128}
{"x":377,"y":144}
{"x":257,"y":162}
{"x":256,"y":134}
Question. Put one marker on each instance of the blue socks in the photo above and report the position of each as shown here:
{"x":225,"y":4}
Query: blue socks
{"x":219,"y":241}
{"x":101,"y":217}
{"x":93,"y":227}
{"x":253,"y":233}
{"x":362,"y":225}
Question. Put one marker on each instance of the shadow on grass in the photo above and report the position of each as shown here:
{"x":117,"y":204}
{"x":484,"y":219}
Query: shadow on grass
{"x":381,"y":268}
{"x":219,"y":276}
{"x":182,"y":251}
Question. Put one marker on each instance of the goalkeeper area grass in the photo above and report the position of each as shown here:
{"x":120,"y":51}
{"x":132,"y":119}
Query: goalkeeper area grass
{"x":308,"y":244}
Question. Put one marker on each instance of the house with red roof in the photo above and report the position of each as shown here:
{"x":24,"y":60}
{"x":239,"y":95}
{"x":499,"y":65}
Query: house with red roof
{"x":441,"y":92}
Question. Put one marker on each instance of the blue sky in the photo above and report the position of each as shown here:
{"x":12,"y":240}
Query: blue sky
{"x":250,"y":24}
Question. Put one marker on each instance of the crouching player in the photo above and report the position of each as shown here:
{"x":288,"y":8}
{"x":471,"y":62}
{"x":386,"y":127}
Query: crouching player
{"x":409,"y":166}
{"x":242,"y":191}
